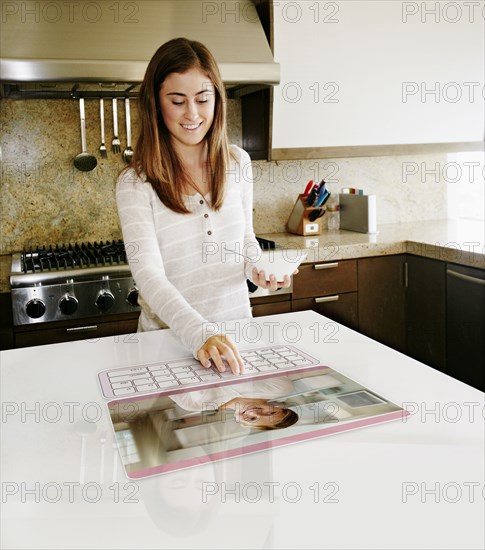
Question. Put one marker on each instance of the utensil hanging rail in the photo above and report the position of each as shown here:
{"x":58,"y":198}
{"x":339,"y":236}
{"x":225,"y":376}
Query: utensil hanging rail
{"x":64,"y":90}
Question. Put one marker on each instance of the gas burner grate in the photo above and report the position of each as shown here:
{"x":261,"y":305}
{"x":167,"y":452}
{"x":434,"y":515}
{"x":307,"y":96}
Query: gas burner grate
{"x":78,"y":255}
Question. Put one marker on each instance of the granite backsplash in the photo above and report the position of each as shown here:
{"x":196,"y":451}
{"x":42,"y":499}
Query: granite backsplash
{"x":45,"y":200}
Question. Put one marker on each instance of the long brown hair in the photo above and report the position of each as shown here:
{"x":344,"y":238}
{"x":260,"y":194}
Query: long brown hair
{"x":154,"y":154}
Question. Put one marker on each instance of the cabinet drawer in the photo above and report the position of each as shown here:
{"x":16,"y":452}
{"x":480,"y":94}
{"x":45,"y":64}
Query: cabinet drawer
{"x":324,"y":279}
{"x":271,"y":309}
{"x":41,"y":336}
{"x":342,"y":308}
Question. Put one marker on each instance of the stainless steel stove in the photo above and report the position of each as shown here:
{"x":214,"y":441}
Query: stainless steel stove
{"x":75,"y":281}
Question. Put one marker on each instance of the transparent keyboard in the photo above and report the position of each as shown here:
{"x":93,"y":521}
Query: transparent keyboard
{"x":188,"y":372}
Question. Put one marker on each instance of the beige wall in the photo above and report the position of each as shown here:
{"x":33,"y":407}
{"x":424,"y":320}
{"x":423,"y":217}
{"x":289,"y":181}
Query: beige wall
{"x":45,"y":200}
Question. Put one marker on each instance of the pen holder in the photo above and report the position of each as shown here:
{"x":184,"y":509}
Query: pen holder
{"x":299,"y":222}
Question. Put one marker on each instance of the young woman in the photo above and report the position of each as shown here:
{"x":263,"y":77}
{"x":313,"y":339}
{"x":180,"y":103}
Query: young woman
{"x":186,"y":203}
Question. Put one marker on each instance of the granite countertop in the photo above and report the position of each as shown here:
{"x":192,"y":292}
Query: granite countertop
{"x":456,"y":241}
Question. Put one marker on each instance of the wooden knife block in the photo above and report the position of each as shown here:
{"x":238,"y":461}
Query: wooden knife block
{"x":298,"y":222}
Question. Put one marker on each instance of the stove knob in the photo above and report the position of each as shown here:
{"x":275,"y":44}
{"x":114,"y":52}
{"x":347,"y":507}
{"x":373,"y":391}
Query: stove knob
{"x":105,"y":300}
{"x":35,"y":308}
{"x":132,"y":296}
{"x":68,"y":304}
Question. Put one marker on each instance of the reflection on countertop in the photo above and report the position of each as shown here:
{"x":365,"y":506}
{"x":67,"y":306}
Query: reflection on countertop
{"x":456,"y":241}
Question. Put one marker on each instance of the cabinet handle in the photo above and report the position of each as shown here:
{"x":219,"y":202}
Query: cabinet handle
{"x":88,"y":328}
{"x":468,"y":278}
{"x":323,"y":299}
{"x":325,"y":266}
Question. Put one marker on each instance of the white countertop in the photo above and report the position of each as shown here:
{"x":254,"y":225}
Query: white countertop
{"x":415,"y":483}
{"x":455,"y":241}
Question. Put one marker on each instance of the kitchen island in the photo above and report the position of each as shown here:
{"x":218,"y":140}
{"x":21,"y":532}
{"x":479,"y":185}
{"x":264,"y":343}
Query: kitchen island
{"x":412,"y":483}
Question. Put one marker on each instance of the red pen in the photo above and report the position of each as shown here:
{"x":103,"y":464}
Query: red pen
{"x":308,"y":188}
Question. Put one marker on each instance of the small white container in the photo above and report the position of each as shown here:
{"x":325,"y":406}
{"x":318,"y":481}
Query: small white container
{"x":278,"y":262}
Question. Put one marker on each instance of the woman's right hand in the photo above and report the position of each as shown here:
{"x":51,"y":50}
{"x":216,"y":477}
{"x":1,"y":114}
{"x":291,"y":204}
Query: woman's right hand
{"x":217,"y":346}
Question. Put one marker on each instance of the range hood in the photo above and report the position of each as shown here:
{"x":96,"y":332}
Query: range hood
{"x":69,"y":49}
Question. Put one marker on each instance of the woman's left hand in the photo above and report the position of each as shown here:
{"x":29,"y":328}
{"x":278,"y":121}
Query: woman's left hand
{"x":259,"y":278}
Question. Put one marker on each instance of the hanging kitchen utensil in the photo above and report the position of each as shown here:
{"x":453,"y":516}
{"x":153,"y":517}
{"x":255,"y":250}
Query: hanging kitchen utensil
{"x":115,"y":144}
{"x":102,"y":148}
{"x":84,"y":161}
{"x":128,"y":152}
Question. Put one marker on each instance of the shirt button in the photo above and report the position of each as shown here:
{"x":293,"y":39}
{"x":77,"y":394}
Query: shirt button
{"x":201,"y":201}
{"x":209,"y":232}
{"x":206,"y":215}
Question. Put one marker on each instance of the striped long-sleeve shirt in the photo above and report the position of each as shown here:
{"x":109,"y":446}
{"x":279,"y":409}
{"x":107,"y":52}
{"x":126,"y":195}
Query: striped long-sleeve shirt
{"x":181,"y":263}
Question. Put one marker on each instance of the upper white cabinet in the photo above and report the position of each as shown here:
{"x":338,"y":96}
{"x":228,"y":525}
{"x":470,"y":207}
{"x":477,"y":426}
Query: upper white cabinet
{"x":377,"y":73}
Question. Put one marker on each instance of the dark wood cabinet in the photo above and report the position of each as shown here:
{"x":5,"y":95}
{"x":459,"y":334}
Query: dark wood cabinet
{"x":382,"y":300}
{"x":271,"y":305}
{"x":432,"y":311}
{"x":425,"y":311}
{"x":329,"y":288}
{"x":465,"y":324}
{"x":66,"y":331}
{"x":271,"y":309}
{"x":342,"y":308}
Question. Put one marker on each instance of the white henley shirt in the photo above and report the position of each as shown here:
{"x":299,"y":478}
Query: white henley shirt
{"x":181,"y":263}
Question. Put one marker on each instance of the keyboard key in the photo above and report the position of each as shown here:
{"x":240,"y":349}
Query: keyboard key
{"x":183,"y":375}
{"x":168,"y":384}
{"x":142,"y":381}
{"x":200,"y":368}
{"x":205,"y":377}
{"x":181,"y":370}
{"x":265,"y":368}
{"x":147,"y":387}
{"x":249,"y":356}
{"x":118,"y":385}
{"x":124,"y":391}
{"x":163,"y":377}
{"x":189,"y":380}
{"x":283,"y":364}
{"x":125,"y":378}
{"x":249,"y":368}
{"x":259,"y":363}
{"x":227,"y":372}
{"x":125,"y":372}
{"x":301,"y":362}
{"x":155,"y":368}
{"x":182,"y":363}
